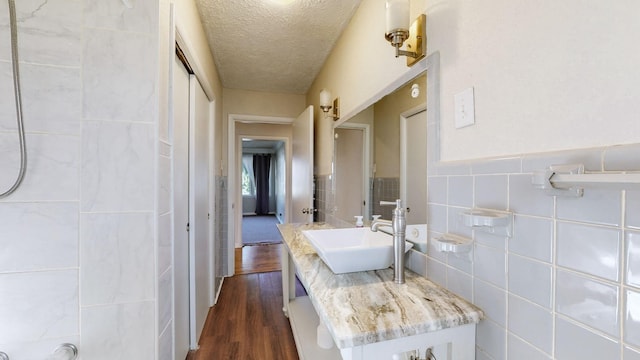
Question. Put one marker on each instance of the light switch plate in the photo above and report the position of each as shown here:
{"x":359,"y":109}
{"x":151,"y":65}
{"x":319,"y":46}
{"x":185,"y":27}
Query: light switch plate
{"x":464,"y":108}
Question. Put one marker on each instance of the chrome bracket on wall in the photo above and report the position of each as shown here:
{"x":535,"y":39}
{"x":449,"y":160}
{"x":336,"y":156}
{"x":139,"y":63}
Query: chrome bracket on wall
{"x":543,"y":180}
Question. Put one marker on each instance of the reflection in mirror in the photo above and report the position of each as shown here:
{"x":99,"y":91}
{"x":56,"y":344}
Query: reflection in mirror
{"x":351,"y":170}
{"x":392,"y":166}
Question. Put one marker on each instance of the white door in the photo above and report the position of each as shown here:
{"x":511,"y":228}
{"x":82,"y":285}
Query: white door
{"x":349,"y":173}
{"x":302,"y":168}
{"x":181,"y":207}
{"x":199,"y":236}
{"x":414,"y":179}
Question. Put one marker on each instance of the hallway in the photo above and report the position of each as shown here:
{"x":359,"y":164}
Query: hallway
{"x":248,"y":322}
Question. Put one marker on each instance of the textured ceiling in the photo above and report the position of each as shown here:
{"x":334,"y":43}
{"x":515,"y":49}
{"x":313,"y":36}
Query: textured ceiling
{"x":266,"y":45}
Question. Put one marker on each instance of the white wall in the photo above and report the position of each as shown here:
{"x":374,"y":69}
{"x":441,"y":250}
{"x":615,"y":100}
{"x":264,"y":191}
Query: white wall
{"x":78,"y":242}
{"x":243,"y":102}
{"x":547,"y":75}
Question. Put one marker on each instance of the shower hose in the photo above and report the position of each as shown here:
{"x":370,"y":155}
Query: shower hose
{"x":18,"y":100}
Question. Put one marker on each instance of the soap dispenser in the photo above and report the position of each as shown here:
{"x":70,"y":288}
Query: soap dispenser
{"x":359,"y":222}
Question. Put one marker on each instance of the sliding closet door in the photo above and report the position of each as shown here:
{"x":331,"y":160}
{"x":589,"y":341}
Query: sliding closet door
{"x":181,"y":207}
{"x":193,"y":250}
{"x":200,"y":252}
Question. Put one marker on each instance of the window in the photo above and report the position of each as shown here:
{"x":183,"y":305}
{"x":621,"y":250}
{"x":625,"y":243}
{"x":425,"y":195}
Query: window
{"x":248,"y":187}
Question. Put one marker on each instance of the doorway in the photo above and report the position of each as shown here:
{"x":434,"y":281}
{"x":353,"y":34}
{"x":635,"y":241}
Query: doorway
{"x":298,"y":137}
{"x":262,"y":183}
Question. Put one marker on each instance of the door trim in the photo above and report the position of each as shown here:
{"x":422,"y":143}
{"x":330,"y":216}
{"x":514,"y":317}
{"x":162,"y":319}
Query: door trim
{"x":367,"y":168}
{"x":403,"y":147}
{"x":233,"y":147}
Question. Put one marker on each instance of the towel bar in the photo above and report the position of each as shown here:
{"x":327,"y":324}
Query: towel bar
{"x":570,"y":180}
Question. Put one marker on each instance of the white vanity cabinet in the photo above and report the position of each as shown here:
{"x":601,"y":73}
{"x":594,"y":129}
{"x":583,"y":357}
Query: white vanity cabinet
{"x":368,"y":315}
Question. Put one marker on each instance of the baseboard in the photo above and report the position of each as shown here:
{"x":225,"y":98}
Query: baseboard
{"x":215,"y":300}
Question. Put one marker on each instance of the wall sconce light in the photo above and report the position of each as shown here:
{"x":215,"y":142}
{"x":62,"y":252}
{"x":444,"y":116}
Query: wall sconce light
{"x":326,"y":104}
{"x":397,"y":31}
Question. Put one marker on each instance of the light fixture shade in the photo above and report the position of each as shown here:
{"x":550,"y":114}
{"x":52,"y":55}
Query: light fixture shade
{"x":325,"y":98}
{"x":397,"y":15}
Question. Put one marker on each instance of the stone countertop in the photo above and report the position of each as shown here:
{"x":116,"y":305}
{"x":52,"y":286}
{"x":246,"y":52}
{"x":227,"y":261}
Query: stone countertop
{"x":367,"y":307}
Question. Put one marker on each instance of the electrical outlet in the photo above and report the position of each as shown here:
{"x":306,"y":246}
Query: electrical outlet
{"x":464,"y":108}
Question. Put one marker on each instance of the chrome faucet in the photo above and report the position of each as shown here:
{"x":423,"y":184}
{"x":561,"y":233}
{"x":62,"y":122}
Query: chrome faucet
{"x":398,"y":225}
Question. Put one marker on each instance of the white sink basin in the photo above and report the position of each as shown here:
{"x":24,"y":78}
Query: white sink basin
{"x":353,"y":249}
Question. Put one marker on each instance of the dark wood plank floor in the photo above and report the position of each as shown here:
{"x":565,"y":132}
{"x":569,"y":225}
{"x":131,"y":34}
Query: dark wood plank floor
{"x":258,"y":258}
{"x":247,"y":322}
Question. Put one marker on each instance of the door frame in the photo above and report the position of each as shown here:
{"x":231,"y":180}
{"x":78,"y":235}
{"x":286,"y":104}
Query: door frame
{"x":404,"y":147}
{"x":234,"y":147}
{"x":367,"y":168}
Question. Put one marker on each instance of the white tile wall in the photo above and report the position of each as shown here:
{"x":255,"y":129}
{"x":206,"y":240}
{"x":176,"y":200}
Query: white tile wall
{"x":490,"y":191}
{"x":53,"y":106}
{"x":530,"y":279}
{"x":566,"y":285}
{"x":111,"y":15}
{"x":53,"y":166}
{"x":616,"y":158}
{"x":531,"y":322}
{"x":36,"y":306}
{"x":576,"y":342}
{"x":490,"y":240}
{"x":532,"y":237}
{"x":438,"y":186}
{"x":490,"y":265}
{"x":117,"y":258}
{"x":491,"y":338}
{"x":632,"y":219}
{"x":460,"y":283}
{"x":455,"y":224}
{"x":631,"y":354}
{"x":590,"y":249}
{"x":437,"y":218}
{"x":596,"y":206}
{"x":633,"y":258}
{"x":165,"y":299}
{"x":49,"y":33}
{"x":165,"y":349}
{"x":118,"y":331}
{"x":492,"y":300}
{"x":463,"y":194}
{"x":632,"y":317}
{"x":524,"y":199}
{"x":519,"y":349}
{"x":589,"y":301}
{"x":122,"y":178}
{"x":45,"y":234}
{"x":106,"y":97}
{"x":82,"y":222}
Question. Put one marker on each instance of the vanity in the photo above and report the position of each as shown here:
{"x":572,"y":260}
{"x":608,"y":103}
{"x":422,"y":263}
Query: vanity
{"x":367,"y":315}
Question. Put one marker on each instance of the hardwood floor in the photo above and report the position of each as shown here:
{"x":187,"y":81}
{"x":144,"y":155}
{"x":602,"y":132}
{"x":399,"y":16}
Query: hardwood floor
{"x":247,"y":322}
{"x":258,"y":258}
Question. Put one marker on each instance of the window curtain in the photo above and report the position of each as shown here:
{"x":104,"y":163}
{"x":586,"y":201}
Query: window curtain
{"x":261,"y":166}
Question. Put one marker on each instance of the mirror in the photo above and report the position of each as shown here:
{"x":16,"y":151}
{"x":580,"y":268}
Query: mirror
{"x":380,"y":155}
